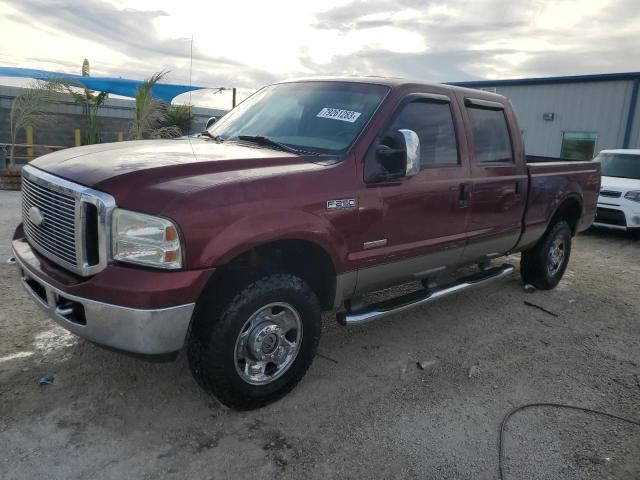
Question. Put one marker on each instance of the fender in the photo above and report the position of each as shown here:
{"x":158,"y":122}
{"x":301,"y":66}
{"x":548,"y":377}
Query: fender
{"x":537,"y":219}
{"x":260,"y":228}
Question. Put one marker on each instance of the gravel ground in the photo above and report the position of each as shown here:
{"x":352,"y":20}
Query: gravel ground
{"x":364,"y":409}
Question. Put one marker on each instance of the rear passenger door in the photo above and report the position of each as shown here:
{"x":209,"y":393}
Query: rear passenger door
{"x":498,"y":180}
{"x":415,"y":225}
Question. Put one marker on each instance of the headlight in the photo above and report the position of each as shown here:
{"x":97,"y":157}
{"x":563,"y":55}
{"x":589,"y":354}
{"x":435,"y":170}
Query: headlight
{"x":145,"y":240}
{"x":635,"y":196}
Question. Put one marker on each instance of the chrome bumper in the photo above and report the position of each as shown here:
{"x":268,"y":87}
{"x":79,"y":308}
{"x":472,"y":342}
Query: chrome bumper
{"x":142,"y":331}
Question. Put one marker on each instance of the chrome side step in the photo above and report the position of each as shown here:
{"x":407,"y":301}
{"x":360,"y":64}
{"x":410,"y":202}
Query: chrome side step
{"x":421,"y":297}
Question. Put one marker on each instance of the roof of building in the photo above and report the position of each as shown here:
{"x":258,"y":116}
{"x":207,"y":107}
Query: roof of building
{"x":600,"y":77}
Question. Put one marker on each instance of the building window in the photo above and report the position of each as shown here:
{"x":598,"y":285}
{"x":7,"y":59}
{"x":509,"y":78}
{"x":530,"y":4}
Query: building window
{"x":578,"y":145}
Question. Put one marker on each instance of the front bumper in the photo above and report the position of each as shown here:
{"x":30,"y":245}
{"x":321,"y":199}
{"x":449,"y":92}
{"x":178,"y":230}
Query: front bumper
{"x":621,"y":215}
{"x":146,"y":331}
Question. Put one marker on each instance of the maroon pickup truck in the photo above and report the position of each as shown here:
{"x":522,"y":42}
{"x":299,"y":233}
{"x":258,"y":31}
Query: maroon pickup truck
{"x":305,"y":197}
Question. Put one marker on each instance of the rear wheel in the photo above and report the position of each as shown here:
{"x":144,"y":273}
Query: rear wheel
{"x":253,"y":349}
{"x":544,"y":265}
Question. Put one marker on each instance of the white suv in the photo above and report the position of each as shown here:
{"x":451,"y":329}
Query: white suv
{"x":619,"y":201}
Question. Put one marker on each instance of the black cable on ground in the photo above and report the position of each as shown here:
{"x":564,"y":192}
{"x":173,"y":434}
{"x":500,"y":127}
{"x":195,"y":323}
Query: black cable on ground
{"x":554,"y":405}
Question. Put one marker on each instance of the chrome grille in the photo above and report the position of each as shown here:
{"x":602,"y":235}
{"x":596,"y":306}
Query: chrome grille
{"x":56,"y":234}
{"x":66,"y":222}
{"x":610,"y":193}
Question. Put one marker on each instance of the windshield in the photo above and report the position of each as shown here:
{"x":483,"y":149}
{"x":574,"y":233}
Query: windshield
{"x":321,"y":117}
{"x":621,"y":165}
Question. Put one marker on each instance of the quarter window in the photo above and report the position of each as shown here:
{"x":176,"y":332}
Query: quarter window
{"x":491,"y":141}
{"x":434,"y":125}
{"x":578,"y":145}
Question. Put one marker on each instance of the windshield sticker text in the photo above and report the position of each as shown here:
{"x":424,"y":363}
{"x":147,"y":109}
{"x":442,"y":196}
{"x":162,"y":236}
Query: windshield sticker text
{"x":338,"y":114}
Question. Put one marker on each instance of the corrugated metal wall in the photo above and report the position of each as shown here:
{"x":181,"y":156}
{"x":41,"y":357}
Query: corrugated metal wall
{"x":600,"y":107}
{"x":635,"y":128}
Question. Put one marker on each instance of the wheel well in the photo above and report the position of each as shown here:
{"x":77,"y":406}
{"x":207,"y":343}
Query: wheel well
{"x":570,"y":210}
{"x":298,"y":257}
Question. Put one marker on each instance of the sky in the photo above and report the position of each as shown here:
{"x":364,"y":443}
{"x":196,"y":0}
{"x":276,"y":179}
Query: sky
{"x":248,"y":44}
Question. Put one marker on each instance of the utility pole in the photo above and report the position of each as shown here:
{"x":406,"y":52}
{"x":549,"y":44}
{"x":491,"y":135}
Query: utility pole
{"x":233,"y":98}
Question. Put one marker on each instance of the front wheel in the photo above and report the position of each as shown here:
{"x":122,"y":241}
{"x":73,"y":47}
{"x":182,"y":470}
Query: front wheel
{"x":255,"y":348}
{"x":544,"y":265}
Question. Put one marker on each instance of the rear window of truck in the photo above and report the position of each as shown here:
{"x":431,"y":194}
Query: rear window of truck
{"x":491,"y":140}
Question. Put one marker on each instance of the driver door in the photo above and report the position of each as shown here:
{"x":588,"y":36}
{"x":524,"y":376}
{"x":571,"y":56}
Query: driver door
{"x":415,"y":226}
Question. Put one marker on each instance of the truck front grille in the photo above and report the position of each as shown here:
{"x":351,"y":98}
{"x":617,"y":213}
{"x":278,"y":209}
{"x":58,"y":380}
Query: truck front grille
{"x":56,"y":233}
{"x":66,"y":222}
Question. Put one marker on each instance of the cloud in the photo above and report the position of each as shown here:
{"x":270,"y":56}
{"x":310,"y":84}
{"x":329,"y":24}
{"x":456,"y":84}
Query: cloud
{"x":249,"y":44}
{"x":487,"y":39}
{"x":132,"y":35}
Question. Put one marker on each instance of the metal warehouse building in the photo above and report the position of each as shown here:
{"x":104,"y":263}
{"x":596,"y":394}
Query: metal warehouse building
{"x":573,"y":117}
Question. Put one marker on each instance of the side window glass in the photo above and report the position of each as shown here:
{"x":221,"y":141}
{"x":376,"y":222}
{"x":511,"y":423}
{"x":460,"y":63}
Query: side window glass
{"x":434,"y":125}
{"x":491,"y":141}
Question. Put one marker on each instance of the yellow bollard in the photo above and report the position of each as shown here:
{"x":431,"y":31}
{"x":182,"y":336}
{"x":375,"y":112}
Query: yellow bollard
{"x":29,"y":131}
{"x":120,"y":137}
{"x":77,"y":136}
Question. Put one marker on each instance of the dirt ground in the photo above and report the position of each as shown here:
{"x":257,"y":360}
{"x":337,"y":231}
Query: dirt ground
{"x":364,"y":410}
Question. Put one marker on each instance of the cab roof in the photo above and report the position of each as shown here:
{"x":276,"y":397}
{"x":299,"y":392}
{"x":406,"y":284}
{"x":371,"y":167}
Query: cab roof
{"x":395,"y":82}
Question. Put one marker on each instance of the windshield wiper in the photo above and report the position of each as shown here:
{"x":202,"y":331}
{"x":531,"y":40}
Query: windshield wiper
{"x":206,"y":133}
{"x":260,"y":140}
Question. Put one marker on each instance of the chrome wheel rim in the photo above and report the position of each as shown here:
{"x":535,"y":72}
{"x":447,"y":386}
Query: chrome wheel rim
{"x":556,"y":255}
{"x":268,"y":343}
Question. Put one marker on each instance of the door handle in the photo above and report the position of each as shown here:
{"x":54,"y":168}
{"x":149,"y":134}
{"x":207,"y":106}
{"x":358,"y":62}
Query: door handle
{"x":465,"y":195}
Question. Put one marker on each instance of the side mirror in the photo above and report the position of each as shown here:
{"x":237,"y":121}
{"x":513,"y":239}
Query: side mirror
{"x":395,"y":163}
{"x":211,"y":121}
{"x":412,"y":149}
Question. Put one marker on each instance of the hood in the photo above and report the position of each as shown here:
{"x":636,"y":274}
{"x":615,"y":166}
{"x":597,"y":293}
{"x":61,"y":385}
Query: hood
{"x":95,"y":164}
{"x":149,"y":174}
{"x":619,"y":184}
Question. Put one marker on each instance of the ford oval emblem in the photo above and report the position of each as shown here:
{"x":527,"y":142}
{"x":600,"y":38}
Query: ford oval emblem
{"x":36,"y":216}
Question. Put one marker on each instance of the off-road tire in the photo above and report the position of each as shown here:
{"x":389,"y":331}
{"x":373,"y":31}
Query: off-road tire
{"x":533,"y":262}
{"x":216,"y":325}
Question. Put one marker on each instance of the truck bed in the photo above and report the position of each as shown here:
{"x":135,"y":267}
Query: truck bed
{"x":552,"y":182}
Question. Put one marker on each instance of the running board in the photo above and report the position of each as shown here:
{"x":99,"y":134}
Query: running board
{"x":420,"y":297}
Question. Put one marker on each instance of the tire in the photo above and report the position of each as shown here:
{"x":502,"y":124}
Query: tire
{"x":240,"y":350}
{"x":542,"y":266}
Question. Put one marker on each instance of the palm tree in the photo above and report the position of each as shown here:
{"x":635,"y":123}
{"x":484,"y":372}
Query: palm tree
{"x":90,"y":104}
{"x":179,"y":116}
{"x":148,"y":110}
{"x":27,"y":110}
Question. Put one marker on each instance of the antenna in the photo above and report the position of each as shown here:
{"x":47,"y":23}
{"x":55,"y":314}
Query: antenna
{"x":190,"y":75}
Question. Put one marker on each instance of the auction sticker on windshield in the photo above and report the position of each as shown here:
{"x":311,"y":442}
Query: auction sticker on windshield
{"x":338,"y":114}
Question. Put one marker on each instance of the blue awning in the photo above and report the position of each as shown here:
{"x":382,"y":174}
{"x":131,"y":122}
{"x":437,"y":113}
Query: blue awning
{"x":118,"y":86}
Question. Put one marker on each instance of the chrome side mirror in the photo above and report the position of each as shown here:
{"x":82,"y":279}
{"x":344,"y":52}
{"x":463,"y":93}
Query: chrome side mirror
{"x":211,"y":121}
{"x":395,"y":162}
{"x":412,"y":149}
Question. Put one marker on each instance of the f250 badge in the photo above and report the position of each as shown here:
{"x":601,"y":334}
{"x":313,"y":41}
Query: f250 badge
{"x":342,"y":203}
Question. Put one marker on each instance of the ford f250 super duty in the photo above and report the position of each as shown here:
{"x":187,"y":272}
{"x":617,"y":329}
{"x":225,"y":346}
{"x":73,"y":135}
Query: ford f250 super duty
{"x":305,"y":197}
